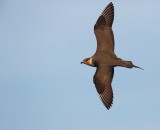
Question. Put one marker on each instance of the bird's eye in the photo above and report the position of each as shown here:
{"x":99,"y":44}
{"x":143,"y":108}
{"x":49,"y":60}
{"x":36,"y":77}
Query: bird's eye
{"x":86,"y":59}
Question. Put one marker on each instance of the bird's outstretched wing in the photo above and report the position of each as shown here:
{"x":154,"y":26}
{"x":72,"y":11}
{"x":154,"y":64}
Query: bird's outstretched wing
{"x":102,"y":80}
{"x":107,"y":16}
{"x":103,"y":29}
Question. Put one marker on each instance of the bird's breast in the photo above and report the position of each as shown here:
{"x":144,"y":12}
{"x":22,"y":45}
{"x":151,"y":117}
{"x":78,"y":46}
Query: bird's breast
{"x":107,"y":60}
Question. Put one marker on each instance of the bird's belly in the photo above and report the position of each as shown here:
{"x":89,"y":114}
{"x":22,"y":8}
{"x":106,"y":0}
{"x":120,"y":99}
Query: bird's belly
{"x":107,"y":61}
{"x":103,"y":58}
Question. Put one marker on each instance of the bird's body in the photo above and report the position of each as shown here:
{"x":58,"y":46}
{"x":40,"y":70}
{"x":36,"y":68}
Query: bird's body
{"x":104,"y":58}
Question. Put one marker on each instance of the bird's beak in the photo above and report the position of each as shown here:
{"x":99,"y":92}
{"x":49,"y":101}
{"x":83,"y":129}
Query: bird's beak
{"x":137,"y":67}
{"x":82,"y":62}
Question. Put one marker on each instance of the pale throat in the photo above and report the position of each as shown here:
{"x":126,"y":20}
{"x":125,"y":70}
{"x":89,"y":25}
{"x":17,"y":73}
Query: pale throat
{"x":90,"y":61}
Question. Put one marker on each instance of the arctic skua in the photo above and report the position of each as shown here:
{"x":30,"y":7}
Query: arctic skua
{"x":104,"y":58}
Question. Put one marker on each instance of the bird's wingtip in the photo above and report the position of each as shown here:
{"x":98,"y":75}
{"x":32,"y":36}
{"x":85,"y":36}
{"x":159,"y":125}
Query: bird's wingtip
{"x":111,"y":3}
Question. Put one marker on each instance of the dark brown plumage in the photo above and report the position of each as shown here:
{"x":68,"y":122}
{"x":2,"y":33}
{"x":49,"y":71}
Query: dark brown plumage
{"x":105,"y":59}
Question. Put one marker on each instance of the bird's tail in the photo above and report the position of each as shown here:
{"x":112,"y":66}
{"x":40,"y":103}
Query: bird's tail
{"x":137,"y":67}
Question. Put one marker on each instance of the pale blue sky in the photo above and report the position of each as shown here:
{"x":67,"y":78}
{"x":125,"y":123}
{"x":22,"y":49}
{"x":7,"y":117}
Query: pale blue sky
{"x":43,"y":86}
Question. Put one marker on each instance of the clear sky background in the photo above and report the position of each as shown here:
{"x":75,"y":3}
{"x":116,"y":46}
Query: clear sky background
{"x":43,"y":86}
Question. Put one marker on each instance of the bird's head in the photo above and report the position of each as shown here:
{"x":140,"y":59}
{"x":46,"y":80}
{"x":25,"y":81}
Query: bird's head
{"x":88,"y":61}
{"x":129,"y":64}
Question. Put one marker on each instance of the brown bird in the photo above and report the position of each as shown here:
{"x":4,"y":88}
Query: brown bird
{"x":105,"y":59}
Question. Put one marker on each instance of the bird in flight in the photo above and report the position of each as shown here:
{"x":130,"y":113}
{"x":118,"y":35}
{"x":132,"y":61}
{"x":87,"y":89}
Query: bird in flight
{"x":104,"y":58}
